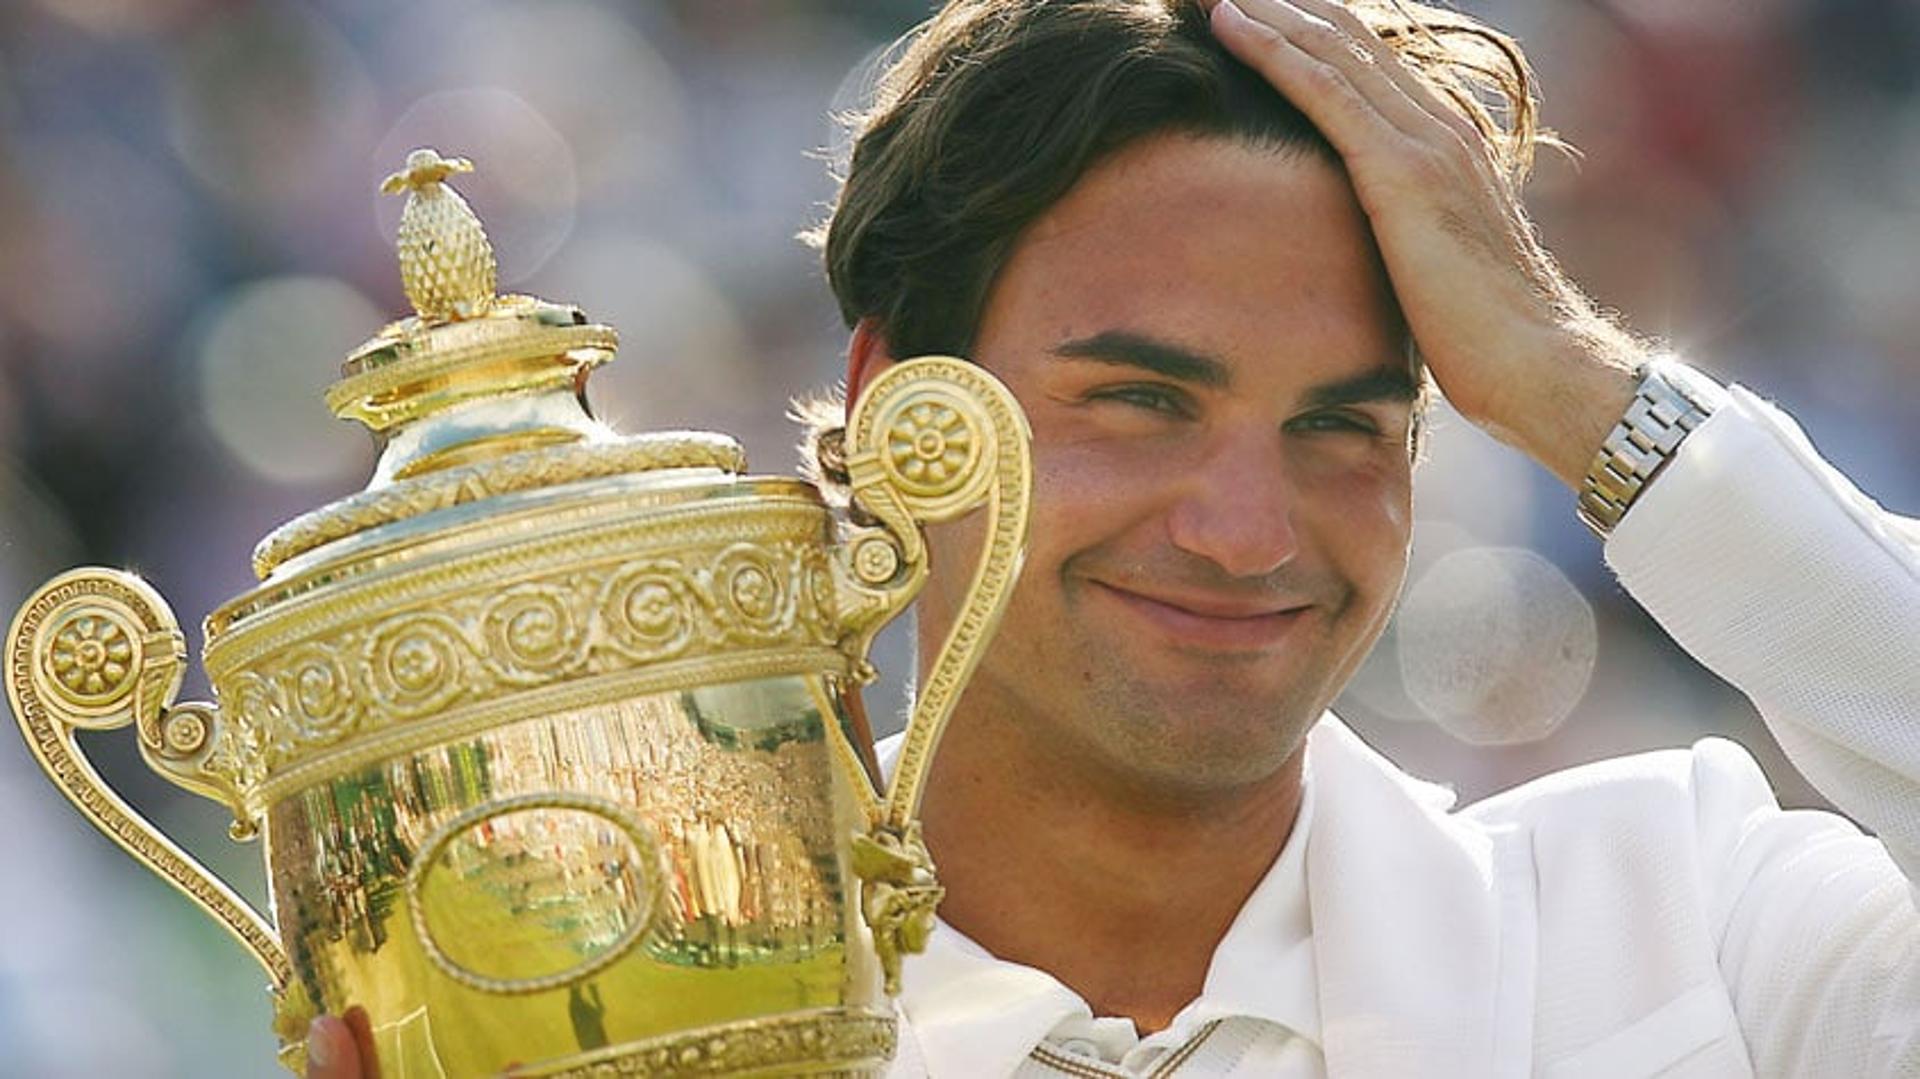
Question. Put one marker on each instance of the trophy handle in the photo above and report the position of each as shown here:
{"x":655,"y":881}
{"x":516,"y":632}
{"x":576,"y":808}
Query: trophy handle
{"x":96,"y":649}
{"x":930,"y":439}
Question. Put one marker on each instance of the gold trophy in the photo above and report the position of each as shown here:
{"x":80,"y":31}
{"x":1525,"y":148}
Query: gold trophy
{"x":551,"y":734}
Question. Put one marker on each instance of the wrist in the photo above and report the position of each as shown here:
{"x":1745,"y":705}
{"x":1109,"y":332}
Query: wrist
{"x":1561,"y":410}
{"x":1593,"y":406}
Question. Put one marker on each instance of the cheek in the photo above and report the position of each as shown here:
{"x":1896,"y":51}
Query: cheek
{"x":1361,"y":519}
{"x":1075,"y":475}
{"x":1100,"y":497}
{"x":1071,"y":479}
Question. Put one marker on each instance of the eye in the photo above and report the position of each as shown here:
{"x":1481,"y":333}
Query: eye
{"x":1334,"y":422}
{"x":1146,"y":395}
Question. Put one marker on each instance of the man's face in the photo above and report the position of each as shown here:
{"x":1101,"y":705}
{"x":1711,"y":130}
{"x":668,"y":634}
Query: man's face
{"x":1205,"y":344}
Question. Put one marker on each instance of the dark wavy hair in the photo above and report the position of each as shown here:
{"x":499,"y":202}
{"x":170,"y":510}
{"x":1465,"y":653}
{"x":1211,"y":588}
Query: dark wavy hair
{"x":993,"y":109}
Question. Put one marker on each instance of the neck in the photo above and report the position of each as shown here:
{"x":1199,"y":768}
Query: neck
{"x":1120,"y":894}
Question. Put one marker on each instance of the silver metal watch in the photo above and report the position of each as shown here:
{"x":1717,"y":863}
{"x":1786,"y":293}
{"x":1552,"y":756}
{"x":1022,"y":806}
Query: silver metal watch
{"x":1671,"y":401}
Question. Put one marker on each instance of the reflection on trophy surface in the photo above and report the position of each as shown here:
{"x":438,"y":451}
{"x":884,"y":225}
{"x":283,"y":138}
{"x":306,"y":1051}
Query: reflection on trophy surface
{"x":547,"y":733}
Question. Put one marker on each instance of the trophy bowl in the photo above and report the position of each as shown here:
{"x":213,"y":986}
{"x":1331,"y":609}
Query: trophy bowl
{"x":551,"y":735}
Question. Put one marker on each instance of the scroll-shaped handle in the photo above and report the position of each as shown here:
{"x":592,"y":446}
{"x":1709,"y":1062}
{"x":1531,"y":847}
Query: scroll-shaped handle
{"x":96,"y":649}
{"x":931,"y":439}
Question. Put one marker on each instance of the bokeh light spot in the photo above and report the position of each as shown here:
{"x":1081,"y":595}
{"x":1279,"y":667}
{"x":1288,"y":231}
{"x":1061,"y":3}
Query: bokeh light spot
{"x":261,"y":102}
{"x":269,"y":350}
{"x":1496,"y":645}
{"x":586,"y":69}
{"x":122,"y":18}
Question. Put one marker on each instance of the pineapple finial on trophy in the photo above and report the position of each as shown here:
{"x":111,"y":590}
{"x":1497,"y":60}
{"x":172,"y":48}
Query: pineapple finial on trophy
{"x":446,"y":263}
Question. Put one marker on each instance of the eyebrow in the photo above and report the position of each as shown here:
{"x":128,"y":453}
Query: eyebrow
{"x":1123,"y":348}
{"x":1387,"y":382}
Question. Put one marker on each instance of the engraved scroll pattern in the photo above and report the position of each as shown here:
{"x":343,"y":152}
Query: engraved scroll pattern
{"x":491,"y":641}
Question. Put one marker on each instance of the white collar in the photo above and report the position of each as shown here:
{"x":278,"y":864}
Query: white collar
{"x":974,"y":1014}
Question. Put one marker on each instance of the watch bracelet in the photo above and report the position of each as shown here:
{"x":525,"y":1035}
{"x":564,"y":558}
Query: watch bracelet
{"x":1660,"y":416}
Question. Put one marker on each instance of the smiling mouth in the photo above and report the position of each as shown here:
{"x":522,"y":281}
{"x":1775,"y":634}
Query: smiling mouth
{"x":1223,"y":627}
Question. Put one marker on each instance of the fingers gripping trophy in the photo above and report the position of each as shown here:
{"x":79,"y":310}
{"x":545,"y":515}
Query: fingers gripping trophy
{"x":551,"y":735}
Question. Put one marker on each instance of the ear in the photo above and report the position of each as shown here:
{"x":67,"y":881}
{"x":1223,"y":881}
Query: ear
{"x":868,"y":354}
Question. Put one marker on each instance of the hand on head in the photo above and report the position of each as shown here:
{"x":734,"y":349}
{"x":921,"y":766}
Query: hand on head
{"x":1513,"y":344}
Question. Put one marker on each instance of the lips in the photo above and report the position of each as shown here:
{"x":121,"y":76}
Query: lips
{"x":1212,"y":622}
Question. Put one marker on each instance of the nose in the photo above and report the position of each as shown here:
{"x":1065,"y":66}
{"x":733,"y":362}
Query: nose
{"x":1236,"y":508}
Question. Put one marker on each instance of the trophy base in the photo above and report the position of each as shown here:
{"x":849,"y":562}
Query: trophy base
{"x":855,"y":1043}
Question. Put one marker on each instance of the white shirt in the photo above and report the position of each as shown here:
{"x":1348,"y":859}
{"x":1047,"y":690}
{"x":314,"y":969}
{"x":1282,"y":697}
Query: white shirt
{"x":970,"y":1014}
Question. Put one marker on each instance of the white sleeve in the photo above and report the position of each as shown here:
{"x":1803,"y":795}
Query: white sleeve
{"x":1818,"y":940}
{"x":1773,"y":570}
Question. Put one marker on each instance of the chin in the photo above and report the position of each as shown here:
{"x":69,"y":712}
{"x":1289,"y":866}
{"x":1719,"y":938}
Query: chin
{"x":1205,"y":741}
{"x":1204,"y":772}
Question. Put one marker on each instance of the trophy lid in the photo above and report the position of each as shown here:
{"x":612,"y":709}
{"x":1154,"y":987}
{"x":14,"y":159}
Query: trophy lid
{"x":509,"y":549}
{"x":476,"y":394}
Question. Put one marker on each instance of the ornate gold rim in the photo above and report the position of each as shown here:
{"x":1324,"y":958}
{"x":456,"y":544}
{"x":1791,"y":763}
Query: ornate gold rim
{"x":498,"y":339}
{"x":275,"y":617}
{"x":527,"y":470}
{"x":587,"y":509}
{"x":821,"y":1041}
{"x":420,"y":646}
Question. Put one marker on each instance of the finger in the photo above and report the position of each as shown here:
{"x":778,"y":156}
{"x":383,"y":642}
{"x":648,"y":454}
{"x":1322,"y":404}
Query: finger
{"x":1323,"y":91}
{"x":1360,"y":57}
{"x":1417,"y":89}
{"x":331,"y":1052}
{"x":362,"y":1028}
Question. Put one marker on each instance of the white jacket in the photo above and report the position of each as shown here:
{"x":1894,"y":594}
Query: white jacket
{"x":1660,"y":914}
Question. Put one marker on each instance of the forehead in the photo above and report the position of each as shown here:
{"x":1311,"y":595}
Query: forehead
{"x":1241,"y":251}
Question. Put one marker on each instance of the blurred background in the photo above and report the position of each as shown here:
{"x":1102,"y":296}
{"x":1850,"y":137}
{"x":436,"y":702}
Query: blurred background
{"x":190,"y":242}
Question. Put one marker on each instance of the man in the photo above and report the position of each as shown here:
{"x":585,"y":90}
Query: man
{"x":1201,"y":246}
